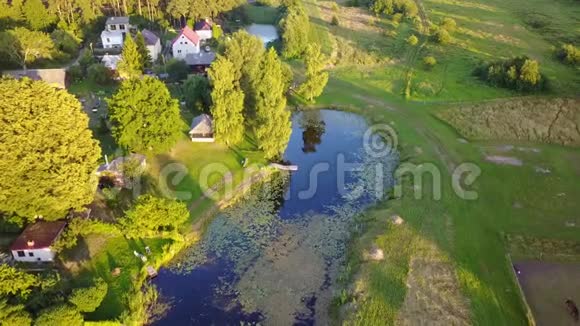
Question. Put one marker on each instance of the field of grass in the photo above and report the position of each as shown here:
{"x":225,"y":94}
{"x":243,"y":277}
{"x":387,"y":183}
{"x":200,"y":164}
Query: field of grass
{"x":262,"y":14}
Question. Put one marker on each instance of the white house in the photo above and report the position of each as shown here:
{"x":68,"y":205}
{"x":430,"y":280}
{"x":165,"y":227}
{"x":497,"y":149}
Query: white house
{"x":203,"y":29}
{"x":34,"y":244}
{"x":186,"y":42}
{"x":153,"y":44}
{"x":201,"y":130}
{"x":115,"y":30}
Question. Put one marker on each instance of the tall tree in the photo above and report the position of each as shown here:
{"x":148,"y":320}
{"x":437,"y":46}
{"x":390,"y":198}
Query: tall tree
{"x":59,"y":315}
{"x":316,"y":77}
{"x":273,"y":126}
{"x":146,"y":61}
{"x":89,"y":299}
{"x":16,"y":282}
{"x":24,"y":46}
{"x":295,"y":28}
{"x":14,"y":315}
{"x":37,"y":16}
{"x":145,"y":117}
{"x":245,"y":51}
{"x":152,"y":215}
{"x":228,"y":102}
{"x":47,"y":154}
{"x":131,"y":65}
{"x":197,"y":94}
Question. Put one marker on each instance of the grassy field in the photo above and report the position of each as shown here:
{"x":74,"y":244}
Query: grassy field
{"x":461,"y":240}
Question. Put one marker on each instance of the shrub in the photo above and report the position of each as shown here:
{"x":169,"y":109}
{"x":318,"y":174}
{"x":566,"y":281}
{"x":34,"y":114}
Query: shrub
{"x":520,"y":73}
{"x":177,"y":70}
{"x":334,"y":7}
{"x":397,"y":18}
{"x":429,"y":61}
{"x":442,"y":36}
{"x":569,"y":54}
{"x":412,"y":40}
{"x":89,"y":299}
{"x":334,"y":21}
{"x":99,"y":74}
{"x":59,"y":315}
{"x":75,"y":73}
{"x":389,"y":7}
{"x":448,"y":24}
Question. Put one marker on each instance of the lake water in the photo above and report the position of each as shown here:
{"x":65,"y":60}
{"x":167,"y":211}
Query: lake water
{"x":267,"y":33}
{"x":273,"y":258}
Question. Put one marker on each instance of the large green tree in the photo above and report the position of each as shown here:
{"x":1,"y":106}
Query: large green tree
{"x":131,"y":65}
{"x":228,"y":102}
{"x":63,"y":314}
{"x":37,"y":15}
{"x":16,"y":282}
{"x":146,"y":61}
{"x":197,"y":94}
{"x":316,"y":77}
{"x":152,"y":215}
{"x":24,"y":46}
{"x":273,"y":126}
{"x":295,"y":28}
{"x":90,"y":298}
{"x":13,"y":315}
{"x":145,"y":117}
{"x":47,"y":152}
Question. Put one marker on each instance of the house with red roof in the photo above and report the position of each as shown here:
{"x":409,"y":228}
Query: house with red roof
{"x":203,"y":29}
{"x":36,"y":241}
{"x":186,"y":42}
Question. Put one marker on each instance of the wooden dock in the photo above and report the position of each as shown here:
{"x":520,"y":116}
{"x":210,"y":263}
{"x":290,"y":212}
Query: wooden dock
{"x":284,"y":167}
{"x":151,"y":272}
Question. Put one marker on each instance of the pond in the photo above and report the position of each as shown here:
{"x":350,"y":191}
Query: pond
{"x":273,"y":258}
{"x":267,"y":33}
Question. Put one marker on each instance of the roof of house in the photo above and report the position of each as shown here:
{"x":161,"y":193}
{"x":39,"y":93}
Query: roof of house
{"x":56,"y":77}
{"x":39,"y":235}
{"x":118,"y":20}
{"x":150,"y":37}
{"x":116,"y":165}
{"x":189,"y":33}
{"x":200,"y":59}
{"x":111,"y":60}
{"x":202,"y":25}
{"x":202,"y":124}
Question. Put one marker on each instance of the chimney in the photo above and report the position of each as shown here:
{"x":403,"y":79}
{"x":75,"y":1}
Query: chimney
{"x":30,"y":243}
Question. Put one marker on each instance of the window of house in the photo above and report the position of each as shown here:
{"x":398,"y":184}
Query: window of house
{"x":185,"y":42}
{"x":113,"y":27}
{"x":178,"y":51}
{"x":20,"y":253}
{"x":180,"y":42}
{"x":31,"y":254}
{"x":121,"y":26}
{"x":108,"y":40}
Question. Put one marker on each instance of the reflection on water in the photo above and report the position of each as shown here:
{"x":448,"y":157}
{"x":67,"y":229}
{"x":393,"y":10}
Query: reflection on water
{"x":273,"y":257}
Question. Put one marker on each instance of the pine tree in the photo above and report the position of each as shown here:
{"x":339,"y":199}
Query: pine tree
{"x":316,"y":77}
{"x":273,"y":126}
{"x":146,"y":61}
{"x":131,"y":65}
{"x":295,"y":30}
{"x":145,"y":117}
{"x":228,"y":102}
{"x":48,"y":155}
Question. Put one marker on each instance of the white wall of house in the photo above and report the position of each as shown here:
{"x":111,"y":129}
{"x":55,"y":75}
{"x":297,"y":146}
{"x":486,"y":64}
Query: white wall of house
{"x":183,"y":46}
{"x":204,"y":34}
{"x":154,"y":50}
{"x":112,"y":40}
{"x":33,"y":255}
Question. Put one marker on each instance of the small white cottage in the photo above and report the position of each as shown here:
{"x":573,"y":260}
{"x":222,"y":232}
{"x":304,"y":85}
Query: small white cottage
{"x":201,"y":130}
{"x":153,"y":44}
{"x":34,"y":244}
{"x":203,"y":29}
{"x":186,"y":42}
{"x":115,"y":30}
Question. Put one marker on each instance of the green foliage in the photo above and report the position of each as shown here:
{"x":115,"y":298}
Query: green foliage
{"x":65,"y":42}
{"x":196,"y":92}
{"x":131,"y":64}
{"x":24,"y":46}
{"x":552,"y":120}
{"x":86,"y":60}
{"x":295,"y":28}
{"x":569,"y":54}
{"x":13,"y":315}
{"x":146,"y":61}
{"x":334,"y":21}
{"x":89,"y":299}
{"x":442,"y":36}
{"x":316,"y":77}
{"x":448,"y":24}
{"x":48,"y":155}
{"x":177,"y":69}
{"x":412,"y":40}
{"x":273,"y":126}
{"x":75,"y":73}
{"x":59,"y":315}
{"x":37,"y":15}
{"x":228,"y":102}
{"x":153,"y":215}
{"x":99,"y":74}
{"x":521,"y":74}
{"x":389,"y":7}
{"x":429,"y":61}
{"x":139,"y":303}
{"x":145,"y":117}
{"x":16,"y":282}
{"x":84,"y":227}
{"x":216,"y":31}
